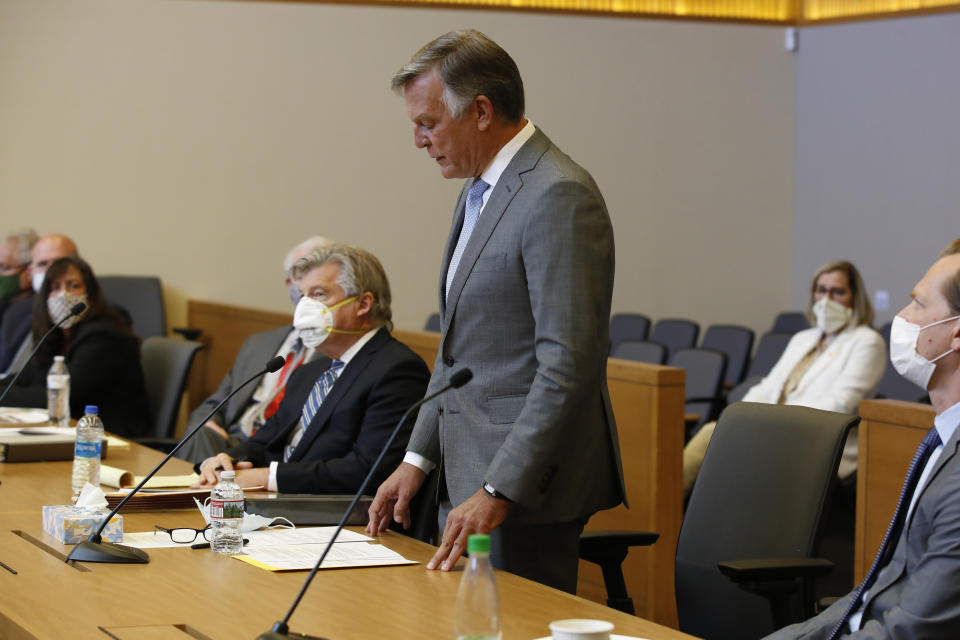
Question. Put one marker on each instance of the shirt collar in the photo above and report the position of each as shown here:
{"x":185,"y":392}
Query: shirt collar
{"x":947,"y":422}
{"x":500,"y":161}
{"x":356,"y":346}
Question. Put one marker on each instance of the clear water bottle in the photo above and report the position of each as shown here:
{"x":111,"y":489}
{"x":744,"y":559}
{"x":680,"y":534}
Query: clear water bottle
{"x":86,"y":451}
{"x":478,"y":604}
{"x":226,"y":515}
{"x":58,"y":392}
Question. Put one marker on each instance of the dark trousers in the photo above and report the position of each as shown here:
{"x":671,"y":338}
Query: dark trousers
{"x":544,"y":553}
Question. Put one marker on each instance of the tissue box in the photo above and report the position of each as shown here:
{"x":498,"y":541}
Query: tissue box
{"x":70,"y":524}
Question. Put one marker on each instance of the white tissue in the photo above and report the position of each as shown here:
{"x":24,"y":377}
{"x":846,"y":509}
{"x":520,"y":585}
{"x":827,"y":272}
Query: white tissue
{"x":91,"y":498}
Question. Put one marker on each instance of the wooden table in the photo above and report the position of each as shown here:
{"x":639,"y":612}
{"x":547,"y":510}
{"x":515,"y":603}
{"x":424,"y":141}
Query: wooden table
{"x":184,"y":593}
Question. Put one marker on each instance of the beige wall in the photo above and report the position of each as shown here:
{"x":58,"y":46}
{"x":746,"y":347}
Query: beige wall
{"x":199,"y":140}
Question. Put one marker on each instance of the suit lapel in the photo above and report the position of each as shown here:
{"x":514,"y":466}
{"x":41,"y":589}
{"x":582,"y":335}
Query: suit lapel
{"x":458,"y":215}
{"x":353,"y":370}
{"x":506,"y":189}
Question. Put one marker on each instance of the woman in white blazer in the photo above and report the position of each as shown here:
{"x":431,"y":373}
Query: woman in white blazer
{"x":832,"y":366}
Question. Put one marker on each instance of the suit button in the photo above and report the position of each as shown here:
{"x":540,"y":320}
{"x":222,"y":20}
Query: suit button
{"x":440,"y":410}
{"x":449,"y":361}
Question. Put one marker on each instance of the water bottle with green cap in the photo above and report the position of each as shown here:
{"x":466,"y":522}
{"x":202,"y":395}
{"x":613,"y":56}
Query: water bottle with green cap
{"x":478,"y":603}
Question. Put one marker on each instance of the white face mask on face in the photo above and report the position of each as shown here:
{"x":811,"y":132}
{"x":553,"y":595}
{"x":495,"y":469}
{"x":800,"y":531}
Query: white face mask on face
{"x":831,"y":315}
{"x":903,"y":351}
{"x":36,"y":279}
{"x":315,"y":322}
{"x":59,"y":307}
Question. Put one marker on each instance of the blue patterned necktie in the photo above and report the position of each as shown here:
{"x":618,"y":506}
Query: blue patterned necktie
{"x":930,"y":442}
{"x":470,"y":216}
{"x":320,"y":390}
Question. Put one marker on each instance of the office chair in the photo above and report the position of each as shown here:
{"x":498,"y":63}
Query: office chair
{"x":640,"y":351}
{"x":166,"y":366}
{"x":141,"y":298}
{"x":746,"y":553}
{"x":627,"y":327}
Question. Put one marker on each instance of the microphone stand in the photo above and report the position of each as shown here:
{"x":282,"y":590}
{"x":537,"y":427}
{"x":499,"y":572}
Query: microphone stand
{"x":75,"y":310}
{"x":95,"y":549}
{"x":280,"y":629}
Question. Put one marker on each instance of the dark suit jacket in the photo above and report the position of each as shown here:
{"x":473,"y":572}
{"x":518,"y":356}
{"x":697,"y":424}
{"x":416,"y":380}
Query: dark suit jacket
{"x":256,"y":350}
{"x":14,"y":328}
{"x":104,"y":364}
{"x":917,"y":595}
{"x":345,"y":437}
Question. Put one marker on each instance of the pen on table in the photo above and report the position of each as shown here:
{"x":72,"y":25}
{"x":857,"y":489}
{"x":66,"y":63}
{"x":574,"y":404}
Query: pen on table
{"x":204,"y":545}
{"x":8,"y":568}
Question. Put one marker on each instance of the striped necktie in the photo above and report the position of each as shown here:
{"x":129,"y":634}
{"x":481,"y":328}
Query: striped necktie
{"x":930,"y":442}
{"x":310,"y":408}
{"x":470,"y":216}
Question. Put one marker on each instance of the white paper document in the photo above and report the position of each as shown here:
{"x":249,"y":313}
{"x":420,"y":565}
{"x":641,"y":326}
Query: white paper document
{"x":113,"y":442}
{"x":21,"y":415}
{"x":304,"y":556}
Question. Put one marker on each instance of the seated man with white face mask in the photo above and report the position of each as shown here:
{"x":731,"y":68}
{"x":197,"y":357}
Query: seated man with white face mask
{"x":251,"y":406}
{"x":832,"y":366}
{"x":336,"y":414}
{"x":911,"y":590}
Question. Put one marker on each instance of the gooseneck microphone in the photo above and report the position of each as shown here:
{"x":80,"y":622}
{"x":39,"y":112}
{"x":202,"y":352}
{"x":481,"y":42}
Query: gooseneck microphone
{"x":95,"y":549}
{"x":280,"y":629}
{"x":75,"y":310}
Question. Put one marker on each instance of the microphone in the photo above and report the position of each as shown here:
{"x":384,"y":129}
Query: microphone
{"x":95,"y":549}
{"x":75,"y":310}
{"x":280,"y":629}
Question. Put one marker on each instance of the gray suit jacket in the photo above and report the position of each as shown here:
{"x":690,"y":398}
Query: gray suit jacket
{"x":528,"y":312}
{"x":917,"y":595}
{"x":253,"y":355}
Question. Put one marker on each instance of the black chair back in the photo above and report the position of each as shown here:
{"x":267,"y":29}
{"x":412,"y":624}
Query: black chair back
{"x":625,"y":327}
{"x":769,"y":350}
{"x":141,"y":297}
{"x":675,"y":334}
{"x":790,"y":322}
{"x":166,"y":366}
{"x":704,"y":381}
{"x":734,"y":341}
{"x":433,"y":323}
{"x":762,"y":492}
{"x":641,"y":351}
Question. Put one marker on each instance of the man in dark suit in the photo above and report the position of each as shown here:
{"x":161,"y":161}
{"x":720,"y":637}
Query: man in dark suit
{"x":15,"y":340}
{"x":336,"y":415}
{"x":528,"y":450}
{"x":250,"y":407}
{"x":913,"y":591}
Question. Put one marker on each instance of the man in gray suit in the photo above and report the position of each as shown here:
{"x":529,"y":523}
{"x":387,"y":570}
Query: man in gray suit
{"x":249,"y":409}
{"x":913,"y":590}
{"x":528,"y":450}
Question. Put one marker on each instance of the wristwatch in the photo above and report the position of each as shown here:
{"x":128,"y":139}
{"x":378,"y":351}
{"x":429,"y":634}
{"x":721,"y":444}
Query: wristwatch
{"x":493,"y":493}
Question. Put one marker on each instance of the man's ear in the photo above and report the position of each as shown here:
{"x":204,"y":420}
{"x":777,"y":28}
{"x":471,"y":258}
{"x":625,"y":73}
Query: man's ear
{"x":364,"y":305}
{"x":484,"y":112}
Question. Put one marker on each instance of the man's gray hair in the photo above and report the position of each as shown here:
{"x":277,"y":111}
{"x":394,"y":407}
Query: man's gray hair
{"x":360,"y":271}
{"x":23,"y":241}
{"x":309,"y":245}
{"x":469,"y":64}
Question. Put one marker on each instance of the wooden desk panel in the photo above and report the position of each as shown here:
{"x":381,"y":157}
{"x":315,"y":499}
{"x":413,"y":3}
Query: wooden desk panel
{"x":890,"y":432}
{"x":50,"y":599}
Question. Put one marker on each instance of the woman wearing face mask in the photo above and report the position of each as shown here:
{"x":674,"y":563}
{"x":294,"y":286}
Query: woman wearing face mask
{"x":832,"y":366}
{"x":101,"y":353}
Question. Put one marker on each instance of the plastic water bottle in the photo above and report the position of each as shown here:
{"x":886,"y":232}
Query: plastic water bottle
{"x":86,"y":451}
{"x":226,"y":515}
{"x":478,"y":603}
{"x":58,"y":392}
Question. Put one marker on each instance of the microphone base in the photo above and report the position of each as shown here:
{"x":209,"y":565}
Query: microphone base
{"x":110,"y":552}
{"x":274,"y":635}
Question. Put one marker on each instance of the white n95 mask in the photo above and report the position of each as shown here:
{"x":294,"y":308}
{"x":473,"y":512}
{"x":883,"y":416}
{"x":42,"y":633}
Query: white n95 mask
{"x":36,"y":280}
{"x":831,"y":315}
{"x":903,"y":351}
{"x":59,"y":307}
{"x":314,"y":322}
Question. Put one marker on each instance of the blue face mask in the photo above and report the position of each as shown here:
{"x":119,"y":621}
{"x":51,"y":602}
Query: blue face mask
{"x":294,"y":293}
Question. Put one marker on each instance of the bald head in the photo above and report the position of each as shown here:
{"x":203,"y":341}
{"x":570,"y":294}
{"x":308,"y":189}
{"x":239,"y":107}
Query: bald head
{"x":49,"y":248}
